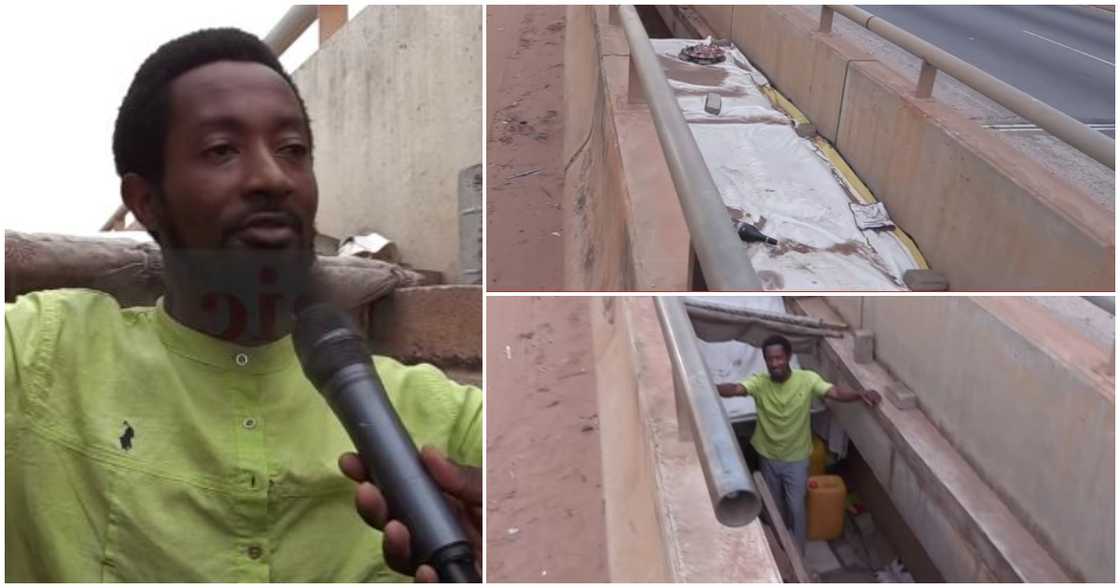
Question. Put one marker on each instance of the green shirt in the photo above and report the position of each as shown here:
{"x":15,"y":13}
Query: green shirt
{"x":229,"y":472}
{"x":782,"y":432}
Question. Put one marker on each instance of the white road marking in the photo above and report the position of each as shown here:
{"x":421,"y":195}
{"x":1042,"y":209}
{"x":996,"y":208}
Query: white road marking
{"x":1031,"y":128}
{"x":1070,"y":48}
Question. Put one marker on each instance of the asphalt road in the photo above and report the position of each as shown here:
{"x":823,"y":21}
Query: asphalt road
{"x":1062,"y":55}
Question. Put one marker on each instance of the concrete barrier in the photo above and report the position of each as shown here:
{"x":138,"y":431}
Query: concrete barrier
{"x":623,"y":226}
{"x":1027,"y":400}
{"x":660,"y":522}
{"x":395,"y":99}
{"x":982,"y":212}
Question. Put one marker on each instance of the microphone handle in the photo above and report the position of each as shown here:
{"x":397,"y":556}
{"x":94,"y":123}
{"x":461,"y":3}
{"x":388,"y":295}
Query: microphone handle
{"x":358,"y":399}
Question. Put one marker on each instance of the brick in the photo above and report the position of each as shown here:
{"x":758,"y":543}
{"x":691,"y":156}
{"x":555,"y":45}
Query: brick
{"x":902,"y":397}
{"x":864,"y":342}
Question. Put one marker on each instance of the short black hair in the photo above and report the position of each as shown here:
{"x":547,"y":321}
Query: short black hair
{"x":140,"y":133}
{"x":778,"y":340}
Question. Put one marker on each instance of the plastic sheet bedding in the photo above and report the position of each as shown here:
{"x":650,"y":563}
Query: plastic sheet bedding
{"x":781,"y":183}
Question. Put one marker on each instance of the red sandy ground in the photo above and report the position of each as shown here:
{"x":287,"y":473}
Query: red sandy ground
{"x":524,"y":93}
{"x":544,"y":506}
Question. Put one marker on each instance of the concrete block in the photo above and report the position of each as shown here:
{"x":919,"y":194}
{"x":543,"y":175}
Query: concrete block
{"x":441,"y":325}
{"x":925,"y":280}
{"x":902,"y":397}
{"x":805,"y":130}
{"x":713,"y":104}
{"x":864,"y":342}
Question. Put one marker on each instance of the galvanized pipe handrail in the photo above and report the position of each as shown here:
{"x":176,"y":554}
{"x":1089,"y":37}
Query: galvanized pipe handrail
{"x":1105,"y":303}
{"x":730,"y":486}
{"x":1061,"y":125}
{"x":291,"y":26}
{"x":722,"y":255}
{"x":778,"y":317}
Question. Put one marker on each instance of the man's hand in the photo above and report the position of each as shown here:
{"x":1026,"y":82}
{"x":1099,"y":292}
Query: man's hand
{"x":729,"y":390}
{"x":461,"y":485}
{"x":844,"y":394}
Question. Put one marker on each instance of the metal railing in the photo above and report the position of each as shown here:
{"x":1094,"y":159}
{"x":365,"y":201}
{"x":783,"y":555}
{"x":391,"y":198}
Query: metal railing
{"x":1068,"y":129}
{"x":721,"y":254}
{"x":1105,"y":303}
{"x":700,"y":416}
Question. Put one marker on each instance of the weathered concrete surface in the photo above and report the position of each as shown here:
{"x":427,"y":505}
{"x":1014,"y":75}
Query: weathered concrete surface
{"x":623,"y":226}
{"x":982,"y":212}
{"x":660,"y":522}
{"x":441,"y":325}
{"x":1025,"y":397}
{"x":966,"y":526}
{"x":395,"y":100}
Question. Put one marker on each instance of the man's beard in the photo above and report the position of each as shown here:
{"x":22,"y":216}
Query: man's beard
{"x":245,"y":295}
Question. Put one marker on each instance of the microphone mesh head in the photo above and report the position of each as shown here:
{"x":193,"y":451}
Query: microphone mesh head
{"x":327,"y":340}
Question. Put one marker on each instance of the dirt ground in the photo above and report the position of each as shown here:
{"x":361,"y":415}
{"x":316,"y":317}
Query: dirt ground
{"x":524,"y":147}
{"x":544,"y":507}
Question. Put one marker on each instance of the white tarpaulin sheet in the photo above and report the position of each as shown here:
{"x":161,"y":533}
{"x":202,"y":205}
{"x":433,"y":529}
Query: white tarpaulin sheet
{"x":780,"y":183}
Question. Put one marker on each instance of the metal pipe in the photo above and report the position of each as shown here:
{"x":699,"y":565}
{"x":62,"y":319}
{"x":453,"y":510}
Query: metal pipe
{"x":778,"y":317}
{"x":746,"y":321}
{"x":1059,"y":124}
{"x":722,"y":255}
{"x":729,"y":481}
{"x":291,"y":26}
{"x":1105,"y":303}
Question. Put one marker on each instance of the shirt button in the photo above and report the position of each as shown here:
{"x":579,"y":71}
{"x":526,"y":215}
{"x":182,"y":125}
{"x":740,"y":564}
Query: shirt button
{"x":241,"y":359}
{"x":249,"y":423}
{"x":255,"y":551}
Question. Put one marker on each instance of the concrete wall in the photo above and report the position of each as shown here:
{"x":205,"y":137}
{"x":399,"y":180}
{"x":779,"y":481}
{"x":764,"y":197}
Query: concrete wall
{"x":660,"y":522}
{"x":623,"y":226}
{"x":395,"y":99}
{"x":1027,"y":400}
{"x":982,"y":212}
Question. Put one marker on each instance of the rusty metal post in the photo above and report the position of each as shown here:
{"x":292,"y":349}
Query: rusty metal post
{"x":925,"y":80}
{"x":826,"y":20}
{"x":331,"y":18}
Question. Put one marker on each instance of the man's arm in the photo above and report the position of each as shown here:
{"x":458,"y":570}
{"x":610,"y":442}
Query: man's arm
{"x":729,"y":390}
{"x":844,"y":394}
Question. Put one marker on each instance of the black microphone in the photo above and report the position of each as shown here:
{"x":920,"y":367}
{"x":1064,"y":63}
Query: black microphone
{"x":335,"y":359}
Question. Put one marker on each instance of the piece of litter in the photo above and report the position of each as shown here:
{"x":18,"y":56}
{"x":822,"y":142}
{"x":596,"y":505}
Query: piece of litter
{"x":555,"y":234}
{"x":513,"y":531}
{"x":871,"y":216}
{"x":525,"y":173}
{"x":509,"y":352}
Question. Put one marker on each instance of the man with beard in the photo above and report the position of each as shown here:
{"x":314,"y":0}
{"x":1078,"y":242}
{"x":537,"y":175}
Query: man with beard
{"x":782,"y":398}
{"x":183,"y":442}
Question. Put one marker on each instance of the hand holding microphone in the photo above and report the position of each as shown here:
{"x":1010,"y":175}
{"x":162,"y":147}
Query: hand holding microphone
{"x":335,"y":359}
{"x":462,"y":485}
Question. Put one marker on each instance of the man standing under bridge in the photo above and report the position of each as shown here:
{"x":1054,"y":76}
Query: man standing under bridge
{"x":783,"y":397}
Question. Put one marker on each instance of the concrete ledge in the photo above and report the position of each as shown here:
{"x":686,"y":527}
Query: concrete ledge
{"x":983,"y":213}
{"x":624,"y":229}
{"x":967,"y":530}
{"x":1026,"y":399}
{"x":660,"y":523}
{"x":440,"y":325}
